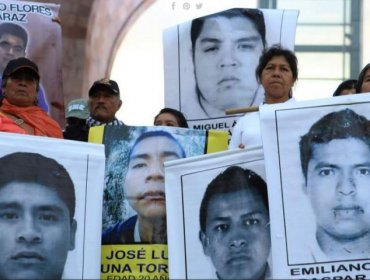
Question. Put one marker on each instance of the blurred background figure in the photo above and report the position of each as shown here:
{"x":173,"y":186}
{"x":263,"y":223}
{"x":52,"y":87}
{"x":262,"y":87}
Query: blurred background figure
{"x":77,"y":112}
{"x":170,"y":117}
{"x":363,"y":81}
{"x":346,"y":87}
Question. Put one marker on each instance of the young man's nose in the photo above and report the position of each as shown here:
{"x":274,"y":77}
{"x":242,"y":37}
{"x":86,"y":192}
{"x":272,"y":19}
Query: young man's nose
{"x":29,"y":231}
{"x":156,"y":171}
{"x":346,"y":185}
{"x":228,"y":59}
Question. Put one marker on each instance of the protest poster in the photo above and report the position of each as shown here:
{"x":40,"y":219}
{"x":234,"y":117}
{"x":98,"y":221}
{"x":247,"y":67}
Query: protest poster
{"x":50,"y":204}
{"x":317,"y":167}
{"x":29,"y":29}
{"x":210,"y":62}
{"x":218,"y":218}
{"x":134,"y":238}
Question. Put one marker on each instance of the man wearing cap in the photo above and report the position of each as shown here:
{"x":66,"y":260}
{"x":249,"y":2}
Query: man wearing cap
{"x":77,"y":112}
{"x":104,"y":102}
{"x":13,"y":44}
{"x":20,"y":83}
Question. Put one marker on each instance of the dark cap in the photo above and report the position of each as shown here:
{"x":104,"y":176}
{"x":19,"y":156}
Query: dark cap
{"x":21,"y":63}
{"x":111,"y":85}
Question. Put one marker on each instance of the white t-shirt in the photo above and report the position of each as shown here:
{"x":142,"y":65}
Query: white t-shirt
{"x":247,"y":131}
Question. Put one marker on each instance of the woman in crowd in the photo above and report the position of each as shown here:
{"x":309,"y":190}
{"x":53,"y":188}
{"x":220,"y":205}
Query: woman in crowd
{"x":19,"y":112}
{"x":170,"y":117}
{"x":277,"y":71}
{"x":363,"y":81}
{"x":346,"y":87}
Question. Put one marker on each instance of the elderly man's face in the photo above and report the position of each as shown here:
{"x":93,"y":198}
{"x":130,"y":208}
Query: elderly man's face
{"x":36,"y":232}
{"x":225,"y":58}
{"x":237,"y":237}
{"x":103,"y":105}
{"x":338,"y":187}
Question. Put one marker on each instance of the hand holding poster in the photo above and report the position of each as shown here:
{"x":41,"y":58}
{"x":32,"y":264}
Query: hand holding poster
{"x":318,"y":176}
{"x":49,"y":201}
{"x":134,"y":216}
{"x":218,"y":217}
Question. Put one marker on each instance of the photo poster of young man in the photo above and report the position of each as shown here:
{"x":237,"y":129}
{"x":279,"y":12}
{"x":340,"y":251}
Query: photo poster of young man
{"x":318,"y":173}
{"x":32,"y":30}
{"x":218,"y":218}
{"x":134,"y":238}
{"x":50,"y":204}
{"x":210,"y":62}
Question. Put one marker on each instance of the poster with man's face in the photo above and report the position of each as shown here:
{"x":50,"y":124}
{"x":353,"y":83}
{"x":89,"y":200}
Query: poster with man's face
{"x":318,"y":171}
{"x":210,"y":62}
{"x":21,"y":24}
{"x":134,"y":234}
{"x":218,"y":217}
{"x":50,"y":199}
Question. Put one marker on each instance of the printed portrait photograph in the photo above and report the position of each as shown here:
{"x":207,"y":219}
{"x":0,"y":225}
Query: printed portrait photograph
{"x":134,"y":210}
{"x":325,"y":173}
{"x":226,"y":222}
{"x":44,"y":197}
{"x":216,"y":56}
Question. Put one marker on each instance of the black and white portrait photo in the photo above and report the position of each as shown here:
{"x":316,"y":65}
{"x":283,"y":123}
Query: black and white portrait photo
{"x":210,"y":61}
{"x":224,"y":203}
{"x":320,"y":186}
{"x":44,"y":196}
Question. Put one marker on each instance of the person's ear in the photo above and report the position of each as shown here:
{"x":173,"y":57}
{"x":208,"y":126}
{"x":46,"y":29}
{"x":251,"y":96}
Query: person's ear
{"x":72,"y":239}
{"x":205,"y":242}
{"x":119,"y":104}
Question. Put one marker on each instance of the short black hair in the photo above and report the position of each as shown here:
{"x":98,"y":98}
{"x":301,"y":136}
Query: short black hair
{"x":274,"y":51}
{"x":255,"y":15}
{"x":361,"y":77}
{"x":35,"y":168}
{"x":233,"y":179}
{"x":336,"y":125}
{"x":177,"y":114}
{"x":156,"y":133}
{"x":15,"y":30}
{"x":346,"y":84}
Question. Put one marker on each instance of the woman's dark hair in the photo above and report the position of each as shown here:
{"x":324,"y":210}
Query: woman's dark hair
{"x":181,"y":120}
{"x":361,"y":77}
{"x":347,"y":84}
{"x":277,"y":50}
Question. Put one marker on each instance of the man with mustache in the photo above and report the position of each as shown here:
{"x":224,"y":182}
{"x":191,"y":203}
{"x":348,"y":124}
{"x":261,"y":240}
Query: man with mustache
{"x":104,"y":102}
{"x":144,"y":188}
{"x":335,"y":160}
{"x":234,"y":225}
{"x":37,"y":206}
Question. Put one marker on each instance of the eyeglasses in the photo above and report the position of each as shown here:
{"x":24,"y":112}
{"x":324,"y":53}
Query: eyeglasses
{"x":6,"y":46}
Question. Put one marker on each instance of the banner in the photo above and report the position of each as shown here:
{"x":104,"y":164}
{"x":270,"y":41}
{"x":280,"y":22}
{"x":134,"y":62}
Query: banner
{"x":21,"y":24}
{"x":218,"y":217}
{"x":50,"y":198}
{"x":134,"y":239}
{"x":210,"y":62}
{"x":318,"y":172}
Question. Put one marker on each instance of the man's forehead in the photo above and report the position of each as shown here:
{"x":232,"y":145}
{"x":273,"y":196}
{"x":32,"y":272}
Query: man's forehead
{"x":222,"y":26}
{"x":156,"y":144}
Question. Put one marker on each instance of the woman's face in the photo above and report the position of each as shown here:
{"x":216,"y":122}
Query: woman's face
{"x":21,"y":89}
{"x":365,"y":87}
{"x":166,"y":119}
{"x":277,"y":80}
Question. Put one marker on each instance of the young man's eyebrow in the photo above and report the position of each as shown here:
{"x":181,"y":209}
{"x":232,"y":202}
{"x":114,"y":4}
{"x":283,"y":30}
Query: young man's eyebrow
{"x":10,"y":205}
